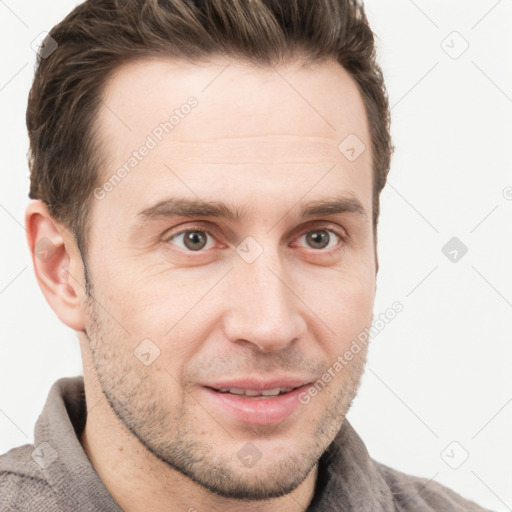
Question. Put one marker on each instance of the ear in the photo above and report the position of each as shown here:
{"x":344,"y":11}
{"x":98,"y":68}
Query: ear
{"x":57,"y":264}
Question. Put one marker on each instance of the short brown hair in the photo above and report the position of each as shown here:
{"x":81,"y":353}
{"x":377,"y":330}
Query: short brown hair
{"x":100,"y":35}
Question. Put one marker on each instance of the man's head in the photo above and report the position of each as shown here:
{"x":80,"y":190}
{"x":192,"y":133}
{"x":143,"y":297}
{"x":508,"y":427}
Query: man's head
{"x":219,"y":164}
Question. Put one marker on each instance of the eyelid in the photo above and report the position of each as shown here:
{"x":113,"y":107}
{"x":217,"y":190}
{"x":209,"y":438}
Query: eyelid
{"x":319,"y":224}
{"x":211,"y":232}
{"x":341,"y":234}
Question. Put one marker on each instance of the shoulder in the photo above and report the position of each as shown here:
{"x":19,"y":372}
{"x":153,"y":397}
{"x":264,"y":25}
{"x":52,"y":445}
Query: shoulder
{"x":414,"y":493}
{"x":23,"y":486}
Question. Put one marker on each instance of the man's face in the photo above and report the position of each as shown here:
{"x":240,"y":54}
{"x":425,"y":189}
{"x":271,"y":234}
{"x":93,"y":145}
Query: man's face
{"x":258,"y":293}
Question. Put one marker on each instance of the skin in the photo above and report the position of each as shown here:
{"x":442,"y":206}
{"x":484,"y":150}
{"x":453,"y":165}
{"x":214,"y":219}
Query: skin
{"x":153,"y":435}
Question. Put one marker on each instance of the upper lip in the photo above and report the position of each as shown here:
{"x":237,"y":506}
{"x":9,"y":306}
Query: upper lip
{"x":259,"y":384}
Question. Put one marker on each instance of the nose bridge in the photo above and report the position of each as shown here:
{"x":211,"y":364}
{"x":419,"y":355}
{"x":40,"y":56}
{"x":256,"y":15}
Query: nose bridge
{"x":263,"y":310}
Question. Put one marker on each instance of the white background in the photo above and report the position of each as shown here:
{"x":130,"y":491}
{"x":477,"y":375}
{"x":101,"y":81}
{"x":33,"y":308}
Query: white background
{"x":438,"y":373}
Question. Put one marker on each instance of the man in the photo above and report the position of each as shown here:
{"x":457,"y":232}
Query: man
{"x":205,"y":181}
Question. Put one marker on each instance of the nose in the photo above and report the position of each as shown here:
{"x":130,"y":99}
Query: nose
{"x":263,"y":310}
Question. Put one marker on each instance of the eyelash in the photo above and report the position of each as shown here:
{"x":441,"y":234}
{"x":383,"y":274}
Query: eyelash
{"x":341,"y":235}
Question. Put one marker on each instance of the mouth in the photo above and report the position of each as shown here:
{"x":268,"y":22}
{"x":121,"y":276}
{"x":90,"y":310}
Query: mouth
{"x":256,"y":403}
{"x":255,"y":393}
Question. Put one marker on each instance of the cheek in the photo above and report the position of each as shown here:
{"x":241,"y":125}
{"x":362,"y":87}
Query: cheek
{"x":341,"y":303}
{"x":348,"y":303}
{"x":167,"y":306}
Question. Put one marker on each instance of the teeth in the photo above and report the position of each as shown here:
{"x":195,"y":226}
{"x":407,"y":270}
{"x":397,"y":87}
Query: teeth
{"x":234,"y":391}
{"x":254,"y":392}
{"x":271,"y":392}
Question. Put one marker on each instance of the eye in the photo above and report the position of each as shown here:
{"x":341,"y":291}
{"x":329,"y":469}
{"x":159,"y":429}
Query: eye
{"x":192,"y":240}
{"x":322,"y":239}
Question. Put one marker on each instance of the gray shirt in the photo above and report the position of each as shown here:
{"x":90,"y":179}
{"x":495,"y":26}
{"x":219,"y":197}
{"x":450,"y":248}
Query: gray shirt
{"x":56,"y":475}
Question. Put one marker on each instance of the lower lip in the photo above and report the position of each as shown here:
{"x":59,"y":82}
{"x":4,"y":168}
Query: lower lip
{"x":257,"y":411}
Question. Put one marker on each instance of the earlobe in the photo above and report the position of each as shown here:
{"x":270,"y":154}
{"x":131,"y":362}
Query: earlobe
{"x":57,"y":264}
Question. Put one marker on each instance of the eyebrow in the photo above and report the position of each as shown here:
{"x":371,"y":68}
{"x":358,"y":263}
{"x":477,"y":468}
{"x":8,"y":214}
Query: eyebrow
{"x":183,"y":207}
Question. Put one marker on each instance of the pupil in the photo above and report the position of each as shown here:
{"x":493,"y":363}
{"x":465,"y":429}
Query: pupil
{"x":318,"y":239}
{"x":195,"y":240}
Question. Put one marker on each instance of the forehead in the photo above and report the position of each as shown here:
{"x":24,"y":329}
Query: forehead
{"x":230,"y":129}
